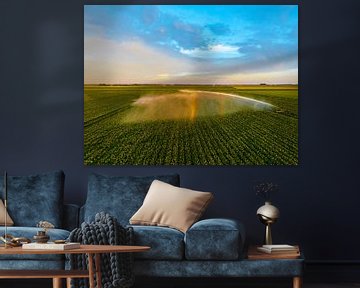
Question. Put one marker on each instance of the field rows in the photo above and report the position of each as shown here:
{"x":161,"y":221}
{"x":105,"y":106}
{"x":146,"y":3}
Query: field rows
{"x":187,"y":143}
{"x":242,"y":138}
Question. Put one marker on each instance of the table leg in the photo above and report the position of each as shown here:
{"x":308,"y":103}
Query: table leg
{"x":297,"y":282}
{"x":68,"y":282}
{"x":57,"y":283}
{"x":98,"y":270}
{"x":91,"y":270}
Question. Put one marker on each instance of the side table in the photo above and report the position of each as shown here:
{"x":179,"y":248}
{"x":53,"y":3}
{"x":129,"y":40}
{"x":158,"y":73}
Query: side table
{"x":288,"y":259}
{"x":93,"y":251}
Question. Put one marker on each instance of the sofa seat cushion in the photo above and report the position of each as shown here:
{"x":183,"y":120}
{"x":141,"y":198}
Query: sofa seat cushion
{"x":38,"y":264}
{"x":29,"y":232}
{"x":213,"y":269}
{"x":166,"y":243}
{"x":120,"y":196}
{"x":214,"y":239}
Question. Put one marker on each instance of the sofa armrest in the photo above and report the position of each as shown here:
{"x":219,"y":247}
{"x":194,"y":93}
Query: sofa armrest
{"x":215,"y":239}
{"x":71,"y":216}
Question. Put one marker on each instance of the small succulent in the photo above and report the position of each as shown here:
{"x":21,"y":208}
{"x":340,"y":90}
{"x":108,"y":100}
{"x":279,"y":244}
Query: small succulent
{"x":45,"y":225}
{"x":265,"y":189}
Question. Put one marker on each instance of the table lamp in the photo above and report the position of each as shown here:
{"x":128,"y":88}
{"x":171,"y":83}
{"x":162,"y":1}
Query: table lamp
{"x":268,"y":214}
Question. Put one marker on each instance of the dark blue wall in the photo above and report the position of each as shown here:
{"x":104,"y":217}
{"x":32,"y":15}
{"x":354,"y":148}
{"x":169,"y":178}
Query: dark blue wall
{"x":41,"y":128}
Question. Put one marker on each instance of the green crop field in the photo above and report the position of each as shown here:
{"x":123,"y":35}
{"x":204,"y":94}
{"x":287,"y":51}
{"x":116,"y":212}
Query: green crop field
{"x":185,"y":125}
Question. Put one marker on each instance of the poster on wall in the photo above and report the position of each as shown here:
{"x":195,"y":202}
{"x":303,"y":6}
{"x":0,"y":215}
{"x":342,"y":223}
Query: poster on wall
{"x":191,"y":85}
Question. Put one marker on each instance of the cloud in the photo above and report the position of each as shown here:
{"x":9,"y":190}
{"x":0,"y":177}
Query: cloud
{"x":215,"y":51}
{"x":260,"y":64}
{"x":128,"y":62}
{"x":148,"y":22}
{"x":288,"y":76}
{"x":157,"y":44}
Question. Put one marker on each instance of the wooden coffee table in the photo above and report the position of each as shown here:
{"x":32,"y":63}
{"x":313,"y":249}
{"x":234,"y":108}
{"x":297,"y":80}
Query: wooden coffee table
{"x":92,"y":251}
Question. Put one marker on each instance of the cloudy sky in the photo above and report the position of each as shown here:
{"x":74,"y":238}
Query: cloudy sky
{"x":191,"y":44}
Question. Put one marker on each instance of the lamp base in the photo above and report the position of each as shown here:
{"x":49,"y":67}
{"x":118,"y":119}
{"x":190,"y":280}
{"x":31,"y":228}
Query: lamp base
{"x":268,"y":237}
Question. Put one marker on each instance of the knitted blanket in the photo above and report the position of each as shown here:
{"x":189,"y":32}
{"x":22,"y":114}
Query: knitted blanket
{"x":116,"y":268}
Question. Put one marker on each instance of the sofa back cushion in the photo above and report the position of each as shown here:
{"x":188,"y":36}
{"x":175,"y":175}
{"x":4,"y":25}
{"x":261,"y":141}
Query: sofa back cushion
{"x":35,"y":198}
{"x":120,"y":196}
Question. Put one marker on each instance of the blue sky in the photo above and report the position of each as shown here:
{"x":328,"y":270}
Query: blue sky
{"x":191,"y":44}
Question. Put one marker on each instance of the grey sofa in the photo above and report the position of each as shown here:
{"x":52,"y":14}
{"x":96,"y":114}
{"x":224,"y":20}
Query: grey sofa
{"x":210,"y":248}
{"x":32,"y":199}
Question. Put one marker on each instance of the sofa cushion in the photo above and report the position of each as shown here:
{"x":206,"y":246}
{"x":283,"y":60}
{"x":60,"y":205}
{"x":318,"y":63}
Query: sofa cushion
{"x":9,"y":221}
{"x":214,"y":269}
{"x":29,"y":232}
{"x":165,"y":243}
{"x":120,"y":196}
{"x":35,"y":198}
{"x":169,"y":206}
{"x":38,"y":264}
{"x":214,"y":239}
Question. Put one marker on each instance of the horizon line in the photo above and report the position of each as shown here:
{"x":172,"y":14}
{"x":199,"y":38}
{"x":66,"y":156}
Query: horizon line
{"x":197,"y":84}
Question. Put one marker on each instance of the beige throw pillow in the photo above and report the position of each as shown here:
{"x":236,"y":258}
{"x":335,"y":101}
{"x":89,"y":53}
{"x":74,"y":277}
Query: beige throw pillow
{"x":9,"y":221}
{"x":170,"y":206}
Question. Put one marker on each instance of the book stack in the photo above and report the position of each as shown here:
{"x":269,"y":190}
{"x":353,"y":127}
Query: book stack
{"x":273,"y":252}
{"x":279,"y":249}
{"x":51,"y":246}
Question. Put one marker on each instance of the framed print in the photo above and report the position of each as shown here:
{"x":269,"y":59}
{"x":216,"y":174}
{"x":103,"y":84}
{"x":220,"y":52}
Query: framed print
{"x":191,"y":85}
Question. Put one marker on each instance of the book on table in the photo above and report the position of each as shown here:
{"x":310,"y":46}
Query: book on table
{"x":51,"y":246}
{"x":278,"y":249}
{"x":255,"y":254}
